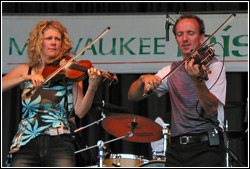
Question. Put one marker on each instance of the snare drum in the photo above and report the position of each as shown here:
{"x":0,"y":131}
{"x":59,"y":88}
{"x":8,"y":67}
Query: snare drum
{"x":153,"y":163}
{"x":123,"y":160}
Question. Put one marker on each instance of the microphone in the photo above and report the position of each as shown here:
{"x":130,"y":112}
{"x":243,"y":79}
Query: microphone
{"x":167,"y":28}
{"x":167,"y":24}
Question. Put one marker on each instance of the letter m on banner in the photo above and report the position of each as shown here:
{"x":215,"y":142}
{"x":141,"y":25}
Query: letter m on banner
{"x":13,"y":45}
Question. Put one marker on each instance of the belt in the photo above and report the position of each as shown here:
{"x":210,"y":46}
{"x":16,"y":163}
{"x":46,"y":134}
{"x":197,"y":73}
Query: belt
{"x":188,"y":139}
{"x":56,"y":131}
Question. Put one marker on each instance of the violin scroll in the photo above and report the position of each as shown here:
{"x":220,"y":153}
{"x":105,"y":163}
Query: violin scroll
{"x":111,"y":77}
{"x":77,"y":71}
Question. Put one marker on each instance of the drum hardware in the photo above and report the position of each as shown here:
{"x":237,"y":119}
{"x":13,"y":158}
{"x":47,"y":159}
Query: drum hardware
{"x":229,"y":153}
{"x":100,"y":145}
{"x":161,"y":155}
{"x":102,"y":106}
{"x":140,"y":129}
{"x":230,"y":156}
{"x":95,"y":122}
{"x":235,"y":158}
{"x":144,"y":130}
{"x":128,"y":127}
{"x":165,"y":133}
{"x":153,"y":163}
{"x":124,"y":160}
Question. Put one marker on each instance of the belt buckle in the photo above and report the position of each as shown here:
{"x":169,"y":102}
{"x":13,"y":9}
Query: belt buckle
{"x":53,"y":132}
{"x":58,"y":131}
{"x":185,"y":141}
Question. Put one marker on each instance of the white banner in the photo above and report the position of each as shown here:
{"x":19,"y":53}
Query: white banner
{"x":134,"y":44}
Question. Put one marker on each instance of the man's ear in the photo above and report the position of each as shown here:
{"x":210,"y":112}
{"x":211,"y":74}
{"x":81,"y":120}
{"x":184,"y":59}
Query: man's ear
{"x":202,"y":37}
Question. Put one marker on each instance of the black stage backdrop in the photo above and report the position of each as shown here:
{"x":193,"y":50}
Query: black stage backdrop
{"x":237,"y":82}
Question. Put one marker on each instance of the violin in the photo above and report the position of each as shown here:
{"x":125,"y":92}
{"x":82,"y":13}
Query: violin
{"x":65,"y":66}
{"x":75,"y":72}
{"x":203,"y":56}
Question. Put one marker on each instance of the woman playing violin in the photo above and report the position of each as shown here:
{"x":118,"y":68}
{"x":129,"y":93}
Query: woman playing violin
{"x":43,"y":138}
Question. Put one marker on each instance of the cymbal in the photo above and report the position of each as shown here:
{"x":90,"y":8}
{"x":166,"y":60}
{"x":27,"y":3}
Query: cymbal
{"x":145,"y":130}
{"x":232,"y":104}
{"x":232,"y":134}
{"x":109,"y":107}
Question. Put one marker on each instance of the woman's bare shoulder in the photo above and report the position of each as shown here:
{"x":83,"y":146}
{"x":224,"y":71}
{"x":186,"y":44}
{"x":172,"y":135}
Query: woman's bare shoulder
{"x":19,"y":70}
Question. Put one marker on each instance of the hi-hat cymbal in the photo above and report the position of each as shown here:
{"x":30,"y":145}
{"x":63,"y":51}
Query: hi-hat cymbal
{"x":145,"y":130}
{"x":109,"y":107}
{"x":232,"y":104}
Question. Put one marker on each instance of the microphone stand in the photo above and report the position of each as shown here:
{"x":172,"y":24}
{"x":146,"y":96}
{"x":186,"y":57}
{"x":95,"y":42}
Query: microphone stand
{"x":100,"y":145}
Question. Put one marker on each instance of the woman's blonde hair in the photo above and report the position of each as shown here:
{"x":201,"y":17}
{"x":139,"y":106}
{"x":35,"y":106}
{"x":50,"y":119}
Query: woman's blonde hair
{"x":36,"y":39}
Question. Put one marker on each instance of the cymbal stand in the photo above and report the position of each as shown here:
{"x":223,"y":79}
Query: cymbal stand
{"x":235,"y":158}
{"x":100,"y":145}
{"x":229,"y":153}
{"x":165,"y":133}
{"x":226,"y":141}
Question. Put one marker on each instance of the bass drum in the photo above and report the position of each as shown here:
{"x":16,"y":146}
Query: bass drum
{"x":153,"y":163}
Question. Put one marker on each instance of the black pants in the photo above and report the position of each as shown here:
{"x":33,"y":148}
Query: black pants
{"x":46,"y":151}
{"x":199,"y":154}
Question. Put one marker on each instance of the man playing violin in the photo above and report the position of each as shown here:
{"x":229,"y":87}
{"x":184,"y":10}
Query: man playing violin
{"x":43,"y":138}
{"x":197,"y":112}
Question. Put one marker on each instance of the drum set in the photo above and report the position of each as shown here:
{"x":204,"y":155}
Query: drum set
{"x":129,"y":127}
